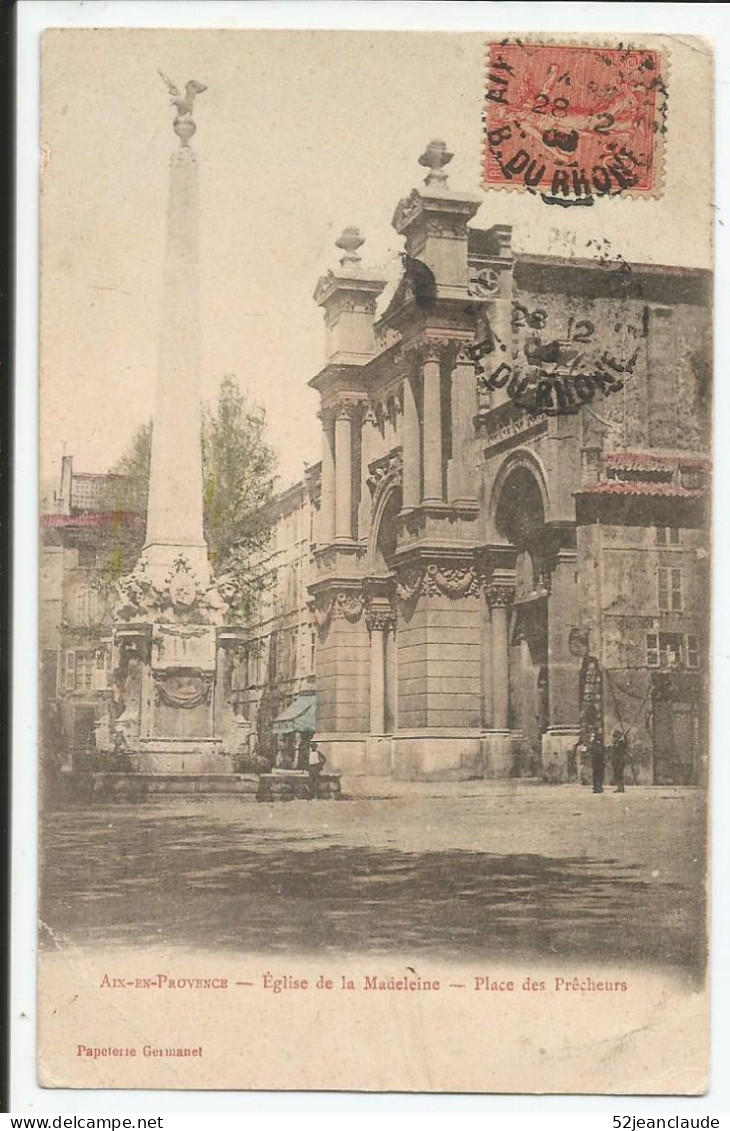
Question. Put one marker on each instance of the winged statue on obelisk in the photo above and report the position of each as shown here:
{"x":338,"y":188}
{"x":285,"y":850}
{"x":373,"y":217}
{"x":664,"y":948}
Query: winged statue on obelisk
{"x":183,"y":125}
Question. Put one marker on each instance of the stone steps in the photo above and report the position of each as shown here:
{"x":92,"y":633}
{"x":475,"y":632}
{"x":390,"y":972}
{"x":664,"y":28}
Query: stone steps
{"x":100,"y":786}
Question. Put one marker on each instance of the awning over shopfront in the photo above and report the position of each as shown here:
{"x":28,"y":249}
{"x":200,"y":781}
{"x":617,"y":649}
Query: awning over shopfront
{"x":299,"y":716}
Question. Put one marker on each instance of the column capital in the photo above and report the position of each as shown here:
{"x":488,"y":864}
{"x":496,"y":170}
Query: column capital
{"x":346,"y":406}
{"x":379,"y":603}
{"x":435,"y":349}
{"x":449,"y":349}
{"x":379,"y":618}
{"x":496,"y":568}
{"x":499,"y":594}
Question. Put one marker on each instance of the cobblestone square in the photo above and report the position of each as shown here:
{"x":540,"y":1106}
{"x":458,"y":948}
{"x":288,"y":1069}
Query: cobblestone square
{"x":489,"y":870}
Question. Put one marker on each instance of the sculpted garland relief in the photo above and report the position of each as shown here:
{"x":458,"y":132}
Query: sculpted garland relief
{"x":434,"y":581}
{"x":409,"y":585}
{"x":183,"y":689}
{"x":345,"y":606}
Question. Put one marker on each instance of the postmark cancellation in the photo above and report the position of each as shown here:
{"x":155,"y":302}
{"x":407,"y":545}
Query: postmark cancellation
{"x":574,"y":122}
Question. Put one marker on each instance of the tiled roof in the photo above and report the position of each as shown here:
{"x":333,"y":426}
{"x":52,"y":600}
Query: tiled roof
{"x":638,"y":488}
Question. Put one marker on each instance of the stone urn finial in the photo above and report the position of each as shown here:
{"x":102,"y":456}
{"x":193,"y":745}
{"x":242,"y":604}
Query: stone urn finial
{"x":434,"y":158}
{"x":184,"y":128}
{"x":350,"y":240}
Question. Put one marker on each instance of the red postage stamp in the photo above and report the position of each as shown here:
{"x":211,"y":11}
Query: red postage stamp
{"x":573,"y":122}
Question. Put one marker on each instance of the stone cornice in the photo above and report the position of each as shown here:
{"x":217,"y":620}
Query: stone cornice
{"x":423,"y":205}
{"x":331,"y":285}
{"x":329,"y":558}
{"x":418,"y":519}
{"x":335,"y":376}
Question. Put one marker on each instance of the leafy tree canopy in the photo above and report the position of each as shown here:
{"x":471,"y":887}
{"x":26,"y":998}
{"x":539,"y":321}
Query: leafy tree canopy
{"x":239,"y":478}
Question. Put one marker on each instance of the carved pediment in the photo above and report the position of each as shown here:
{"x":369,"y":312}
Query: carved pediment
{"x":406,"y":209}
{"x":324,"y":285}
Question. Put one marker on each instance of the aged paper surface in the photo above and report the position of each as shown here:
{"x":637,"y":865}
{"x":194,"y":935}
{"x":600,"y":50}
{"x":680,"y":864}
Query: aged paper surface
{"x":375,"y":730}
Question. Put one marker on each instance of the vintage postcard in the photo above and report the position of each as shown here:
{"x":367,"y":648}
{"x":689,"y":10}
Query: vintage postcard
{"x":375,"y":546}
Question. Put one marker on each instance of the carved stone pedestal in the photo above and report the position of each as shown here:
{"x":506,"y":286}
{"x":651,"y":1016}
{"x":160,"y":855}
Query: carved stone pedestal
{"x":172,"y":681}
{"x":559,"y":757}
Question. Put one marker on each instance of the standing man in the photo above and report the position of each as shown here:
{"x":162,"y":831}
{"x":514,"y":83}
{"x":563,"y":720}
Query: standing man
{"x":316,"y":763}
{"x":619,"y":750}
{"x":598,"y":761}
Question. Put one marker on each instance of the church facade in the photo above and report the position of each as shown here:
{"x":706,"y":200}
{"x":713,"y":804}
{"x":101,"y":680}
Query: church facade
{"x":510,"y":553}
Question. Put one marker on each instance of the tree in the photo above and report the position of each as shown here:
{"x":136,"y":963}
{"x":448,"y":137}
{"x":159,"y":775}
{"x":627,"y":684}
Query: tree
{"x":135,"y":466}
{"x":239,"y":477}
{"x":118,"y":544}
{"x":239,"y":474}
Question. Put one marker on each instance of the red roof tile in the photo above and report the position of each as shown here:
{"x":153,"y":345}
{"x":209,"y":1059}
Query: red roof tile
{"x":638,"y":488}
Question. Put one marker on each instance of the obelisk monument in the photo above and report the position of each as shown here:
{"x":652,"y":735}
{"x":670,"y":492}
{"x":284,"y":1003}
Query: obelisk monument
{"x":175,"y":504}
{"x":173,"y":639}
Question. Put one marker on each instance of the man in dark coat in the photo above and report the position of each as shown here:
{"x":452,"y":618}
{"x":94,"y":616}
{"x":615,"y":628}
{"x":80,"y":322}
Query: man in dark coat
{"x":598,"y":761}
{"x":618,"y":756}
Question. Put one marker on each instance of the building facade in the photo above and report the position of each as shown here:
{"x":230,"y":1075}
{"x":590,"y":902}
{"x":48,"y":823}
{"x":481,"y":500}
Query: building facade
{"x":83,"y":520}
{"x":274,"y":683}
{"x":504,"y":552}
{"x":511,"y":549}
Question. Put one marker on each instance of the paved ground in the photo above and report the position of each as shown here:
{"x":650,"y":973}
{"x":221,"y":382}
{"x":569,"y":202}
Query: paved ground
{"x":474,"y":868}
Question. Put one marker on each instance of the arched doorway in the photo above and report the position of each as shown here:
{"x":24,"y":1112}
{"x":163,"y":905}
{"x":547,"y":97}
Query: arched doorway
{"x":520,"y":520}
{"x":385,"y":532}
{"x":380,"y":612}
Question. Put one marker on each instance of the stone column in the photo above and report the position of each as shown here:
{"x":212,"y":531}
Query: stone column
{"x":564,"y":667}
{"x":486,"y":668}
{"x":327,"y":504}
{"x":343,"y":472}
{"x":411,"y":446}
{"x":462,"y":474}
{"x":391,"y":680}
{"x":498,"y":598}
{"x":380,"y":619}
{"x":433,"y":490}
{"x":377,"y":679}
